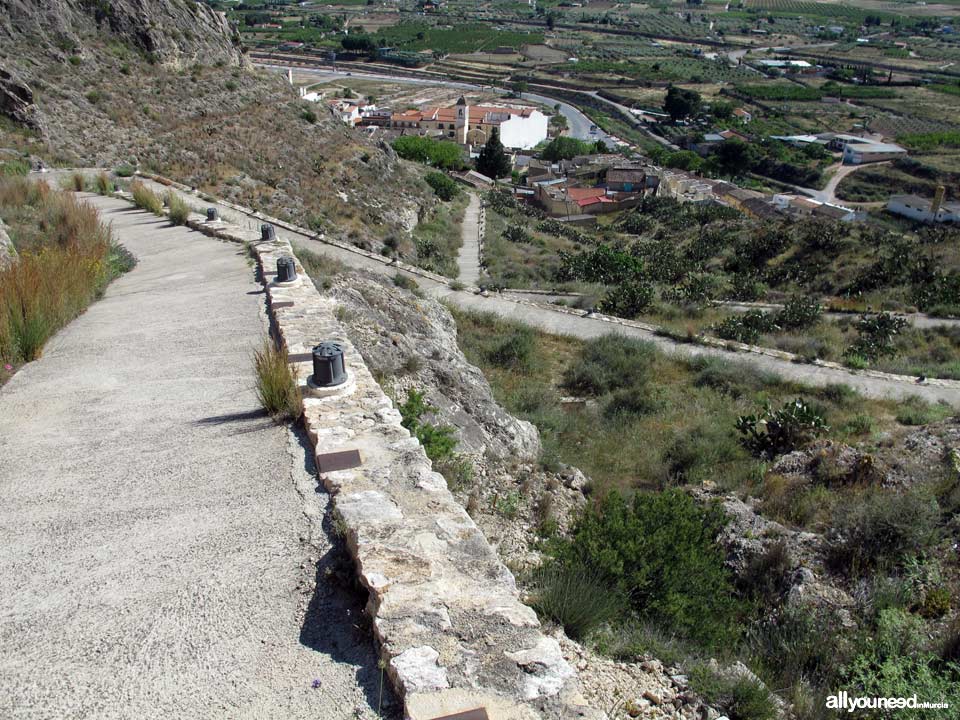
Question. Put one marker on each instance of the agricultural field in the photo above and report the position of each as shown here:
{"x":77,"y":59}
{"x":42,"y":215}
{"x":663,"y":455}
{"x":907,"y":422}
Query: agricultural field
{"x":466,"y":38}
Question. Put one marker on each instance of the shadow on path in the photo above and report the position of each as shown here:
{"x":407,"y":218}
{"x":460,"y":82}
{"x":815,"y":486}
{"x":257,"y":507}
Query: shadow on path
{"x":335,"y":622}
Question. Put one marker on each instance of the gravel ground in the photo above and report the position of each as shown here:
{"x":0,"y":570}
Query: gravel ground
{"x":163,"y":549}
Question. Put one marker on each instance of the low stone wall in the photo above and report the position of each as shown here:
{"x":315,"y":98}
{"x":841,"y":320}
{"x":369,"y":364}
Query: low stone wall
{"x":452,"y":631}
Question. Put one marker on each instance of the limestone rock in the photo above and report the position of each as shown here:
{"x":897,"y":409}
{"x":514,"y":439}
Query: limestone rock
{"x":413,"y":341}
{"x":547,"y":670}
{"x":8,"y":253}
{"x":418,"y":671}
{"x":172,"y":32}
{"x":16,"y":101}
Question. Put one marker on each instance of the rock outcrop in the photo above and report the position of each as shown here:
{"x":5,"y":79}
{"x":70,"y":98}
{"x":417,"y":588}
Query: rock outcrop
{"x":16,"y":101}
{"x":413,"y":341}
{"x":169,"y":31}
{"x":8,"y":253}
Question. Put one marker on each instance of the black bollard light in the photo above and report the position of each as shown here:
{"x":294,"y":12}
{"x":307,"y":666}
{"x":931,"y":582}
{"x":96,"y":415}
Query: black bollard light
{"x":328,"y":366}
{"x":286,"y":270}
{"x":212,"y":215}
{"x":268,"y":233}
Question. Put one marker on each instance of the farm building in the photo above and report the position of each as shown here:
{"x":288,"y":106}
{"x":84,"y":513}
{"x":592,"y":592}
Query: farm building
{"x":627,"y":179}
{"x":923,"y":210}
{"x":794,"y":66}
{"x":867,"y":152}
{"x":520,"y":127}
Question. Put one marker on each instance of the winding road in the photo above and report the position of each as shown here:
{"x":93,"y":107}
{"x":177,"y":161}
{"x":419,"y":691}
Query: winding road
{"x":563,"y":321}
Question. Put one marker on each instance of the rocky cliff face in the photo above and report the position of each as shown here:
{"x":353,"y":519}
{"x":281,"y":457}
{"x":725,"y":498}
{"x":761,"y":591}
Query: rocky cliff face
{"x":175,"y":32}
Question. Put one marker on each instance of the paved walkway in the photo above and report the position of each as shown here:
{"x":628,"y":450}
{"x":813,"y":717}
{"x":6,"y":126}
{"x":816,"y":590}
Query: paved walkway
{"x":160,"y":538}
{"x":550,"y":320}
{"x":468,"y":259}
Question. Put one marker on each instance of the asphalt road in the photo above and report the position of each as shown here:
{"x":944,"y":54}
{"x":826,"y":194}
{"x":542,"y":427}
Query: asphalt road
{"x":159,"y":537}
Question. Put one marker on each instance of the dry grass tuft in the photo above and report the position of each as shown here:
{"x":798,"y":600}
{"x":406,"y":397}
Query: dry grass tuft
{"x":145,"y":198}
{"x":277,"y":387}
{"x":178,"y":210}
{"x":65,"y":262}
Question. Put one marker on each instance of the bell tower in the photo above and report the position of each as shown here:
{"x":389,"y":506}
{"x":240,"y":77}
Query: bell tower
{"x":463,"y":120}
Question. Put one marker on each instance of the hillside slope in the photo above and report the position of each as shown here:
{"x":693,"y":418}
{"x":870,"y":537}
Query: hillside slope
{"x":163,"y":86}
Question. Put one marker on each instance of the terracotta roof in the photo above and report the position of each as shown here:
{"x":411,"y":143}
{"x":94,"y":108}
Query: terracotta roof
{"x":579,"y":194}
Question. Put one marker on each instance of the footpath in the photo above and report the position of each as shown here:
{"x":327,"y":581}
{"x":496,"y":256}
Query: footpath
{"x":160,"y":539}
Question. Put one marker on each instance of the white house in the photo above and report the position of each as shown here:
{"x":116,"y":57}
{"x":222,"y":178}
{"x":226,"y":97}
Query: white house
{"x":520,"y":128}
{"x":923,"y":210}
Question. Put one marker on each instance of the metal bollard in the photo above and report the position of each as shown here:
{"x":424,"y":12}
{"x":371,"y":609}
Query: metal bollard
{"x":212,"y":214}
{"x":268,"y":233}
{"x":328,"y":366}
{"x":286,"y":270}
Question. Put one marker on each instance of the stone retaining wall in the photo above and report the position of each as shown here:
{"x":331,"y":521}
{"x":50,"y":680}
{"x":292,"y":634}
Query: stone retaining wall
{"x":452,"y":631}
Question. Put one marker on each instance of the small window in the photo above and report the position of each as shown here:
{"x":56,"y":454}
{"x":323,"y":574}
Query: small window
{"x":450,"y":134}
{"x":440,"y":126}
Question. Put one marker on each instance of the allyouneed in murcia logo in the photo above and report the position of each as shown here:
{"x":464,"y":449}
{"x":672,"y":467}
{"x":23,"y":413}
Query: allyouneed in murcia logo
{"x":844,"y":701}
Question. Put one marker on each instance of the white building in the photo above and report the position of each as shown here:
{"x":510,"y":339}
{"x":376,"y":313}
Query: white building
{"x":857,"y":153}
{"x":520,"y":128}
{"x":923,"y":210}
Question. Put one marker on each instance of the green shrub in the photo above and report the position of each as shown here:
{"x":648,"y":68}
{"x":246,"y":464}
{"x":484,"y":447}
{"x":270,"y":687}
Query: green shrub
{"x":628,"y":299}
{"x":916,"y":411}
{"x":741,"y":698}
{"x":276,"y":386}
{"x":309,"y":116}
{"x":729,"y":378}
{"x":517,"y":234}
{"x":788,"y":644}
{"x":799,"y":312}
{"x":838,"y":393}
{"x":746,"y":327}
{"x":701,"y":452}
{"x":895,"y":663}
{"x":443,"y":185}
{"x":936,"y":603}
{"x":405,"y":282}
{"x":438,"y":441}
{"x":875,"y":336}
{"x":145,"y":198}
{"x":14,"y":168}
{"x":610,"y":363}
{"x":126,"y":170}
{"x":177,"y":209}
{"x":439,"y":153}
{"x":515,"y":350}
{"x":881,"y":530}
{"x":773,"y":432}
{"x":660,"y":551}
{"x":633,"y":401}
{"x":575,"y":597}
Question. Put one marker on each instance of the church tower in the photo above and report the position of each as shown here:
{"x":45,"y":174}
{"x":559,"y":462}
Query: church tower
{"x":463,"y":120}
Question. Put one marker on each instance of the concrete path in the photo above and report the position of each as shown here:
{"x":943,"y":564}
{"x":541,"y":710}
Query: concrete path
{"x":468,"y":258}
{"x":551,"y":320}
{"x":159,"y":538}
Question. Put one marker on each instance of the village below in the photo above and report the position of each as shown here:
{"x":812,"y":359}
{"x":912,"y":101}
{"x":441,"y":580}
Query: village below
{"x":480,"y":359}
